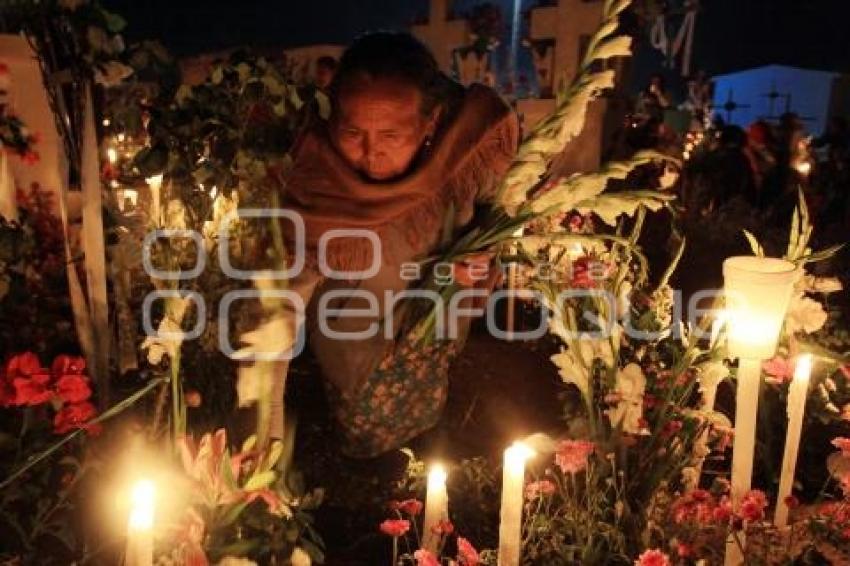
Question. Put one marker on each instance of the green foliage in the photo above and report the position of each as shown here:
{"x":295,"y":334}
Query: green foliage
{"x":231,"y":131}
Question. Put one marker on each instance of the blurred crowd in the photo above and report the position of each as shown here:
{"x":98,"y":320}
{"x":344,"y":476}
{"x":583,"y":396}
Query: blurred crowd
{"x":754,"y":174}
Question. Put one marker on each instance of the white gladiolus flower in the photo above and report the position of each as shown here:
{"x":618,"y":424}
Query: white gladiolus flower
{"x":572,"y":370}
{"x":805,"y":314}
{"x":631,"y":384}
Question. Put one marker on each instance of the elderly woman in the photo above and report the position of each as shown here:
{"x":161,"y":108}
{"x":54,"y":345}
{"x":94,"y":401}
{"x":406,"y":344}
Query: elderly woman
{"x":406,"y":153}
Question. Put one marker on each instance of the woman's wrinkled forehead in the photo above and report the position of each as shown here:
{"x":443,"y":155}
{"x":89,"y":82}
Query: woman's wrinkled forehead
{"x":364,"y":90}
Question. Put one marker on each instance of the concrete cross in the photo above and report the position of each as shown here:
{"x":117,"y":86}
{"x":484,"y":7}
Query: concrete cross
{"x":570,"y":23}
{"x":441,"y":34}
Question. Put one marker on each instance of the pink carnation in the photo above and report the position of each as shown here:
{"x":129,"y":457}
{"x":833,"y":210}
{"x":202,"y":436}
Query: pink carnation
{"x":410,"y":506}
{"x":425,"y":558}
{"x":571,"y":455}
{"x":395,"y":527}
{"x":843,"y":444}
{"x":753,"y":505}
{"x":466,"y":553}
{"x":540,"y":488}
{"x":779,"y":368}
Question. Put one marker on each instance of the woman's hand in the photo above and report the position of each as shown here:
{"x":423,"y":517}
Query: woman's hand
{"x":477,"y":271}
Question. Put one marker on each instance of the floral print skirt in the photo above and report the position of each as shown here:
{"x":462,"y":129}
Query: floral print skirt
{"x":404,"y":397}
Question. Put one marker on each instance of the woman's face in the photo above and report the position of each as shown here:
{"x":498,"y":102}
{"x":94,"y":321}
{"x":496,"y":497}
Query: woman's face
{"x":378,"y":127}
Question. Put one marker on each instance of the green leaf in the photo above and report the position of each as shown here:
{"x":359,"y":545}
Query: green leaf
{"x":249,"y":443}
{"x":151,"y":161}
{"x":275,"y":451}
{"x":232,"y":513}
{"x":217,"y":76}
{"x":260,"y":480}
{"x":183,"y":94}
{"x":324,"y":105}
{"x":295,"y":99}
{"x":244,"y":71}
{"x":620,"y":46}
{"x":274,"y":86}
{"x":114,"y":22}
{"x":754,"y":244}
{"x":316,"y":554}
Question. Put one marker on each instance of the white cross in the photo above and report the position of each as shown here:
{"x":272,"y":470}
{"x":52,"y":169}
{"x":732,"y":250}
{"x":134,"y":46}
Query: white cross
{"x":441,"y":34}
{"x":568,"y":23}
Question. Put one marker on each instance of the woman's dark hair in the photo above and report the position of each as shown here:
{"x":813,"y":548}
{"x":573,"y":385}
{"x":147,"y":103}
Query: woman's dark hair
{"x":393,"y":55}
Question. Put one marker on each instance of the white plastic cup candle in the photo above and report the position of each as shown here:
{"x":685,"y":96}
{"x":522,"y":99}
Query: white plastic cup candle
{"x":757,"y":292}
{"x":140,"y":524}
{"x":436,"y":507}
{"x":797,"y":394}
{"x":513,"y":490}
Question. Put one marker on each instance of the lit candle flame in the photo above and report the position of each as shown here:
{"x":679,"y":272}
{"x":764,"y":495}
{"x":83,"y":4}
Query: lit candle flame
{"x":112,"y":155}
{"x":437,"y":475}
{"x":142,"y":500}
{"x":517,"y":454}
{"x":803,"y":369}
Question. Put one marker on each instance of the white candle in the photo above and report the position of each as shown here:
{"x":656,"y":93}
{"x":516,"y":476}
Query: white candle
{"x":797,"y":394}
{"x":757,"y":292}
{"x":744,"y":443}
{"x":155,"y":183}
{"x":436,"y":507}
{"x":112,"y":155}
{"x":513,"y":490}
{"x":8,"y":190}
{"x":140,"y":525}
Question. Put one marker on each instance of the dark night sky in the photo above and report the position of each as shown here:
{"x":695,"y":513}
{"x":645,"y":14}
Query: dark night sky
{"x":731,"y":34}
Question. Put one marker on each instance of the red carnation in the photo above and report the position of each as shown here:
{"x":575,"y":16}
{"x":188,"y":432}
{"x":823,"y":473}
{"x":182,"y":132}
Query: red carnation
{"x":753,"y":505}
{"x":32,"y":390}
{"x":73,"y":388}
{"x":65,"y":365}
{"x":23,"y":364}
{"x":73,"y":416}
